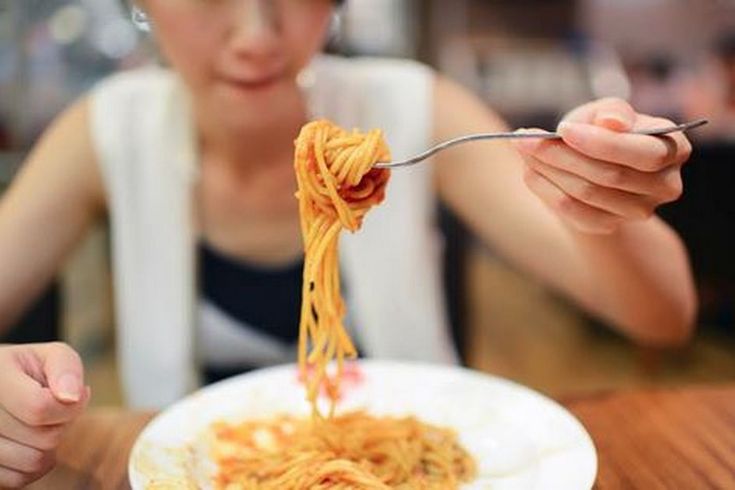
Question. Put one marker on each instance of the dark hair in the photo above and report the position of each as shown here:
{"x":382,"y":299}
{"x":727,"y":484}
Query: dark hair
{"x":725,"y":47}
{"x":129,"y":3}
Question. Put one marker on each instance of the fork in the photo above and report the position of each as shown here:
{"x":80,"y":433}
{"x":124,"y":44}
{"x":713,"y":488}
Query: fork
{"x":512,"y":135}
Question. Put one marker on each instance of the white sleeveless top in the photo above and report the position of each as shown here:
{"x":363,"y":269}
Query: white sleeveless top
{"x":143,"y":135}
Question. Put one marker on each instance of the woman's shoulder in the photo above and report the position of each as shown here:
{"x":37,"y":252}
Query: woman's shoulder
{"x":134,"y":84}
{"x":126,"y":112}
{"x":374,"y":69}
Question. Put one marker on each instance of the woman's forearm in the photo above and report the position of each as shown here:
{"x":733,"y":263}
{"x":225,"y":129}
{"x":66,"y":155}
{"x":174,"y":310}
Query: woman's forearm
{"x":640,"y":280}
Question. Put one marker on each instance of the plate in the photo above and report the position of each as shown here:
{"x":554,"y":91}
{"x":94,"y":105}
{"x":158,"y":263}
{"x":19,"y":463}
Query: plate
{"x":519,"y":438}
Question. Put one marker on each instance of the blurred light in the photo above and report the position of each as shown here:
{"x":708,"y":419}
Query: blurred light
{"x":116,"y":39}
{"x":68,"y":24}
{"x":380,"y":27}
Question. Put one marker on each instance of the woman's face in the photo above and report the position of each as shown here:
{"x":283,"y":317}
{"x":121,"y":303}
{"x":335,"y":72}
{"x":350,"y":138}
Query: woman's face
{"x":235,"y":51}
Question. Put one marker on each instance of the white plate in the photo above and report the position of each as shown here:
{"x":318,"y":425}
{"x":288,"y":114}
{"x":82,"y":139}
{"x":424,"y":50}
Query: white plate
{"x":520,"y":439}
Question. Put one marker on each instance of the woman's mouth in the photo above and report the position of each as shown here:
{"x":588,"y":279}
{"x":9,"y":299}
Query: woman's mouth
{"x":252,"y":83}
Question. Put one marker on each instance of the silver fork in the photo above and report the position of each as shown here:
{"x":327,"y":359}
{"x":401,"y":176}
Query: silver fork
{"x":546,"y":136}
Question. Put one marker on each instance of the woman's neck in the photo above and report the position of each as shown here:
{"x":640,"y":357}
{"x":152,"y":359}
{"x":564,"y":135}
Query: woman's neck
{"x":252,"y":141}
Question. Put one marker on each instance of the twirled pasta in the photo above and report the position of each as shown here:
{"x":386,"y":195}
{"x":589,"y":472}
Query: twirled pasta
{"x":337,"y":186}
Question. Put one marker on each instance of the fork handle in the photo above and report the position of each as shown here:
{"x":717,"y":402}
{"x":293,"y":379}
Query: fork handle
{"x":515,"y":135}
{"x":555,"y":136}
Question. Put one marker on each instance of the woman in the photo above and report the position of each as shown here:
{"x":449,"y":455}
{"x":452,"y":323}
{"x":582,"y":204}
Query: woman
{"x":194,"y":165}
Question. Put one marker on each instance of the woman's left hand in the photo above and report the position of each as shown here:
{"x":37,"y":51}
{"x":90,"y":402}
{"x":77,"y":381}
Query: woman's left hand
{"x":597,"y":177}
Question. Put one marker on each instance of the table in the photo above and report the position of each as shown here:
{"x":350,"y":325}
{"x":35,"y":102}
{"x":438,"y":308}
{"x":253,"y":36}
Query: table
{"x":650,"y":439}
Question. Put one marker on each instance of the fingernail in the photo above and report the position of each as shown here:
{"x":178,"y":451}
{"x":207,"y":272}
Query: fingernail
{"x":69,"y":388}
{"x":612,"y":119}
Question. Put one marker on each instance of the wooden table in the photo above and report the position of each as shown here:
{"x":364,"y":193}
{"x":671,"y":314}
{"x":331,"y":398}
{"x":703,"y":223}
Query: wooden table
{"x":652,"y":439}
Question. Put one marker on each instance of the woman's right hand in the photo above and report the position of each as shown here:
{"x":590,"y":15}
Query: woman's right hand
{"x":41,"y":391}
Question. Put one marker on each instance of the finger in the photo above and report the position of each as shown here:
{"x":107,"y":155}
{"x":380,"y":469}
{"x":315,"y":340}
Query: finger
{"x":558,"y":154}
{"x":35,"y":405}
{"x":45,"y":438}
{"x":645,"y":153}
{"x":13,"y":479}
{"x":574,"y":213}
{"x":678,"y":138}
{"x":612,"y":113}
{"x":64,"y":371}
{"x":614,"y":201}
{"x":19,"y":457}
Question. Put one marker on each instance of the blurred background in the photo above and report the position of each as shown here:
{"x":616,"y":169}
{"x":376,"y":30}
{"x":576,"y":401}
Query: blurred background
{"x":531,"y":60}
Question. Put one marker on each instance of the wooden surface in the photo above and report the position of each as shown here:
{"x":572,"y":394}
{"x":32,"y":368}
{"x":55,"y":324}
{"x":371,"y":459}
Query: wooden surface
{"x":663,"y":439}
{"x":94,"y":453}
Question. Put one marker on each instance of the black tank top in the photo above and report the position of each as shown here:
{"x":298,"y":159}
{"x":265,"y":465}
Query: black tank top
{"x":267,"y":299}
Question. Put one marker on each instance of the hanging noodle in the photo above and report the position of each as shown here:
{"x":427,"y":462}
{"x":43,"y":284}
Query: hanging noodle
{"x":337,"y":186}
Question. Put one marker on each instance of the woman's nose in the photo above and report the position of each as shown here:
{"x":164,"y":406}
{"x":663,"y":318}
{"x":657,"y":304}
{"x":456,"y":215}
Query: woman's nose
{"x":256,"y":26}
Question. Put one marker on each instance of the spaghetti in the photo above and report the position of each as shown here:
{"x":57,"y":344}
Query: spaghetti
{"x":352,"y":451}
{"x":336,"y":187}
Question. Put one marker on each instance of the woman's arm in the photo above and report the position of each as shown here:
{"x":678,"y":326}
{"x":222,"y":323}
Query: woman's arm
{"x":561,"y":215}
{"x":46,"y":210}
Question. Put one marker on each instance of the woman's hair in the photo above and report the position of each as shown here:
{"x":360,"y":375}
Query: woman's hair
{"x":128,"y":4}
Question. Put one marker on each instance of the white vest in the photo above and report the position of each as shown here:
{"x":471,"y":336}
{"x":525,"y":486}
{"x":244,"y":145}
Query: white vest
{"x":142,"y":131}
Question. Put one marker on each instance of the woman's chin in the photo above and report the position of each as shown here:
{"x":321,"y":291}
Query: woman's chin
{"x":243,"y":112}
{"x":243,"y":107}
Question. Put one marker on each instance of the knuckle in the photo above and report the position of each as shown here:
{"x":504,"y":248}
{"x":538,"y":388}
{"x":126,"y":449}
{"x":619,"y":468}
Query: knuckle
{"x":643,"y":212}
{"x":585,"y":226}
{"x":605,"y":227}
{"x":587,"y":191}
{"x":598,"y":225}
{"x":36,"y":462}
{"x":531,"y":179}
{"x":14,"y":480}
{"x":674,"y":188}
{"x":528,"y":175}
{"x":686,"y":146}
{"x":47,"y":463}
{"x":48,"y":439}
{"x":685,"y":151}
{"x":37,"y":410}
{"x":57,"y":345}
{"x":566,"y":205}
{"x":63,"y":347}
{"x":661,"y":159}
{"x":614,"y":176}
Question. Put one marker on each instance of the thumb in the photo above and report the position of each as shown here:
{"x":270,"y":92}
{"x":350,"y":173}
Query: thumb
{"x":64,"y":372}
{"x":610,"y":113}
